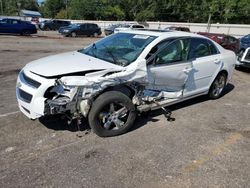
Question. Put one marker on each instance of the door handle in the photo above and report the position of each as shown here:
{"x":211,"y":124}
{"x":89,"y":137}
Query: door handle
{"x":217,"y":61}
{"x":187,"y":70}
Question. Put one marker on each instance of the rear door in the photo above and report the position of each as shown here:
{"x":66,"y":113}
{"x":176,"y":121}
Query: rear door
{"x":83,"y":29}
{"x":169,"y":69}
{"x":206,"y":63}
{"x":16,"y":26}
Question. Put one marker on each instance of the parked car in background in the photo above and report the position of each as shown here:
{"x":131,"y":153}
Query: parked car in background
{"x":125,"y":27}
{"x":226,"y":41}
{"x":175,"y":28}
{"x":132,"y":71}
{"x":244,"y":43}
{"x":15,"y":26}
{"x":53,"y":24}
{"x":243,"y":58}
{"x":110,"y":29}
{"x":85,"y":29}
{"x":35,"y":20}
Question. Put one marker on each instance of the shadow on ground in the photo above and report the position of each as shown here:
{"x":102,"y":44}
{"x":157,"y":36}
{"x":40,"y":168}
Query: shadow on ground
{"x":243,"y":69}
{"x":60,"y":122}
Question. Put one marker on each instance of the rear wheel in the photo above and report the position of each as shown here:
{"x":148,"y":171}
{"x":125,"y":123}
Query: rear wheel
{"x":217,"y":86}
{"x":112,"y":114}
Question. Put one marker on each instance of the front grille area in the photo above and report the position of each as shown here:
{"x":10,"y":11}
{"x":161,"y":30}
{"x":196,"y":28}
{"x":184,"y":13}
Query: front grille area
{"x":30,"y":81}
{"x":24,"y":96}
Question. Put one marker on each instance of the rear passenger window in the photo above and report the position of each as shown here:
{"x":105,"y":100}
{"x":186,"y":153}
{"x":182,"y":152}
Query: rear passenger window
{"x":213,"y":48}
{"x":201,"y":48}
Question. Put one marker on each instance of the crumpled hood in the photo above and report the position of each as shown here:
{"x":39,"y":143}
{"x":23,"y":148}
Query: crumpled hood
{"x":67,"y":63}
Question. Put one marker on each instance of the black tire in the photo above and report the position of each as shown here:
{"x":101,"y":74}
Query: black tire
{"x":95,"y":35}
{"x":217,"y":86}
{"x":100,"y":115}
{"x":46,"y":28}
{"x":25,"y":33}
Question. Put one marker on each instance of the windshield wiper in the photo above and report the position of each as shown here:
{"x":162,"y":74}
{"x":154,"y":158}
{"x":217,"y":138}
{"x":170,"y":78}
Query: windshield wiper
{"x":93,"y":49}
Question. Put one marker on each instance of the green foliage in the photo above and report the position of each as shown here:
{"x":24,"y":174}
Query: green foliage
{"x":62,"y":14}
{"x":52,"y":7}
{"x":222,"y":11}
{"x":12,"y":7}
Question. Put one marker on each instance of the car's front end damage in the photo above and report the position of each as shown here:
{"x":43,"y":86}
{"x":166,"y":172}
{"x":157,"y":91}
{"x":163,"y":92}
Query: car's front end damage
{"x":72,"y":95}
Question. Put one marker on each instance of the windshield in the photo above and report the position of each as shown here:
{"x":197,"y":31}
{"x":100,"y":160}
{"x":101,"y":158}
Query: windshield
{"x":120,"y":49}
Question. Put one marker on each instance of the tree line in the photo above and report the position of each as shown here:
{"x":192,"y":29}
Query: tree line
{"x":222,"y":11}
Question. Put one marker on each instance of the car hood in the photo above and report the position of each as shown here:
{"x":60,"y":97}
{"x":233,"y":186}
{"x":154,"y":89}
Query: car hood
{"x":74,"y":63}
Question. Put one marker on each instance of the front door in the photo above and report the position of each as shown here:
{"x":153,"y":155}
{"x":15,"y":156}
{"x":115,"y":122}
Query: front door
{"x":169,"y":69}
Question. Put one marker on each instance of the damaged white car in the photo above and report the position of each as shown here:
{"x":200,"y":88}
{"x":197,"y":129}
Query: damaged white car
{"x":112,"y":80}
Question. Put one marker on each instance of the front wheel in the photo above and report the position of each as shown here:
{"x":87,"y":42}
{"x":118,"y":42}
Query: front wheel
{"x":112,"y":114}
{"x":217,"y":86}
{"x":25,"y":33}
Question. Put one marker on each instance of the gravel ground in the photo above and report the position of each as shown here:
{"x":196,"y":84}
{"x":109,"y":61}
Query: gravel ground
{"x":208,"y":145}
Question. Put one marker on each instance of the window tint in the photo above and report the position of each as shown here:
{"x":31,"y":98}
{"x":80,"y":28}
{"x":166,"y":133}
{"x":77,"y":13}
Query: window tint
{"x":213,"y":48}
{"x":199,"y":48}
{"x":176,"y":51}
{"x":3,"y":21}
{"x":14,"y":22}
{"x":232,"y":39}
{"x":137,"y":26}
{"x":83,"y":26}
{"x":92,"y":26}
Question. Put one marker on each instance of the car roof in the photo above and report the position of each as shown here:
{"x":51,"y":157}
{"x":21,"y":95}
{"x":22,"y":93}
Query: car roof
{"x":214,"y":34}
{"x":162,"y":33}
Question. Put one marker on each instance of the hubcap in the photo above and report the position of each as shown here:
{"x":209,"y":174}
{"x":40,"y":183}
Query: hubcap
{"x":218,"y":86}
{"x":113,"y":116}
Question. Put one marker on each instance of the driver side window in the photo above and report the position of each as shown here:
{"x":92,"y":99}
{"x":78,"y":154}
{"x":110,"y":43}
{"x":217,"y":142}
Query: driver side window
{"x":175,"y":51}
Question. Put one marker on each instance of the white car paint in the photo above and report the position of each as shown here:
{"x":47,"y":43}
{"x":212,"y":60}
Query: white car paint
{"x":197,"y":75}
{"x":66,"y":63}
{"x":132,"y":26}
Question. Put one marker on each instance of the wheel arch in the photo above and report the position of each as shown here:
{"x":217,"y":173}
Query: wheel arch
{"x":123,"y":88}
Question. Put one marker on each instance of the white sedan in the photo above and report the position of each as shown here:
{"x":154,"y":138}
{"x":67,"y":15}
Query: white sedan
{"x":126,"y":27}
{"x":131,"y":71}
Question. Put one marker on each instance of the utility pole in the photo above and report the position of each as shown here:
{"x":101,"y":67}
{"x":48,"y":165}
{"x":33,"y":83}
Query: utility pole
{"x":19,"y":5}
{"x":209,"y":22}
{"x":66,"y":2}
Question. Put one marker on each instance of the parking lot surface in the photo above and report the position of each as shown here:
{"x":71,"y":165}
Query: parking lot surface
{"x":208,"y":145}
